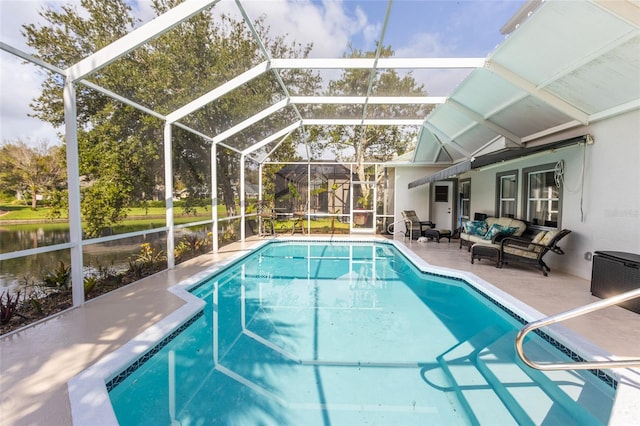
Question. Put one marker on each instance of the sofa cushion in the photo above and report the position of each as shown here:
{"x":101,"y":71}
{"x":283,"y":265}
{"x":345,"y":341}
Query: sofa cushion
{"x":499,"y":229}
{"x":536,"y":240}
{"x":521,"y":252}
{"x":508,"y":223}
{"x":494,"y":230}
{"x":539,"y":236}
{"x":550,"y":235}
{"x":476,"y":227}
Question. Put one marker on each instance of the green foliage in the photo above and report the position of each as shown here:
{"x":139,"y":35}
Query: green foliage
{"x":149,"y":255}
{"x":191,"y":204}
{"x":145,"y":263}
{"x":103,"y":205}
{"x":191,"y":245}
{"x":369,"y":143}
{"x":8,"y":305}
{"x":59,"y":279}
{"x":31,"y":171}
{"x":59,"y":204}
{"x":120,"y":148}
{"x":89,"y":282}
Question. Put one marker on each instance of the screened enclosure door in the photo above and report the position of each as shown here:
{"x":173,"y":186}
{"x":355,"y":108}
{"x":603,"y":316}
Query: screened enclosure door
{"x":363,"y":198}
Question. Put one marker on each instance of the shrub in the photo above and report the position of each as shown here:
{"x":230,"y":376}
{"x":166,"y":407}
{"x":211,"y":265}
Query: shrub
{"x":8,"y":306}
{"x":59,"y":278}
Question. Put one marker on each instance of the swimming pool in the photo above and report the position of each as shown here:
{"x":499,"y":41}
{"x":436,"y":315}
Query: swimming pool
{"x":326,"y":333}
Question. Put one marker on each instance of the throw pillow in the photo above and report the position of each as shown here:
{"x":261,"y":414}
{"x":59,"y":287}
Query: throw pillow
{"x":539,"y":236}
{"x":476,"y":227}
{"x":493,"y":231}
{"x":537,"y":239}
{"x":509,"y":230}
{"x":548,"y":237}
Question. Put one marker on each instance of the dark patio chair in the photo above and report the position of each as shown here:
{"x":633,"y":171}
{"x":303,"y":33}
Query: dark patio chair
{"x":414,"y":227}
{"x":518,"y":250}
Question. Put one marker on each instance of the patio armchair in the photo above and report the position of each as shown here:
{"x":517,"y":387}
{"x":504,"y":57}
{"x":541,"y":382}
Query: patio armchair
{"x":414,"y":227}
{"x":518,"y":250}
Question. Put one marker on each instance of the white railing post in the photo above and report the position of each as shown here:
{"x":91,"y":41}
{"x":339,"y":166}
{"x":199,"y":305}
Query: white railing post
{"x":73,"y":182}
{"x":242,"y":200}
{"x":214,"y":196}
{"x":168,"y":195}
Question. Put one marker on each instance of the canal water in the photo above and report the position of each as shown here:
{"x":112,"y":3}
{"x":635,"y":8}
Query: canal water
{"x":112,"y":254}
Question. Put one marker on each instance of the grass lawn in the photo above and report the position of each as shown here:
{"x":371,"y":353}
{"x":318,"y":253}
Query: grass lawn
{"x":13,"y":212}
{"x":139,"y":218}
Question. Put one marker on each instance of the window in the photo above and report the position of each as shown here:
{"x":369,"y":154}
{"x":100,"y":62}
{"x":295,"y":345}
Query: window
{"x":465,"y":199}
{"x":442,"y":194}
{"x":507,"y":193}
{"x":543,"y":197}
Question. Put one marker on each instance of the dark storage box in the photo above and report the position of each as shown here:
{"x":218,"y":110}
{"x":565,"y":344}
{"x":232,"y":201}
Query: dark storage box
{"x":616,"y":272}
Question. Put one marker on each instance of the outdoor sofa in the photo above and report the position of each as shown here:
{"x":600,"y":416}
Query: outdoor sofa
{"x":490,"y":230}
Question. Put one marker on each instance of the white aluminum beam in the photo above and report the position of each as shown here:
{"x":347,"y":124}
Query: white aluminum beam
{"x":359,"y":121}
{"x":137,"y":37}
{"x":374,"y":100}
{"x":483,"y":121}
{"x":19,"y":53}
{"x":122,"y":99}
{"x":109,"y":93}
{"x":284,"y":138}
{"x":214,"y":196}
{"x":251,"y":120}
{"x":539,"y":93}
{"x":73,"y":185}
{"x":383,"y":63}
{"x":449,"y":141}
{"x":168,"y":194}
{"x":374,"y":68}
{"x":229,"y":147}
{"x":195,"y":132}
{"x":242,"y":199}
{"x":218,"y":92}
{"x":616,"y":110}
{"x":284,"y":132}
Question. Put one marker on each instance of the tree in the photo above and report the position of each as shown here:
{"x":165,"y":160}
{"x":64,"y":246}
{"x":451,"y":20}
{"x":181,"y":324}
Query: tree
{"x":369,"y":143}
{"x":33,"y":170}
{"x":121,"y":147}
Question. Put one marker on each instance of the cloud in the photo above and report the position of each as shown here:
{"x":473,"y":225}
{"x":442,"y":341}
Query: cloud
{"x":416,"y":29}
{"x":326,"y":25}
{"x":20,"y":84}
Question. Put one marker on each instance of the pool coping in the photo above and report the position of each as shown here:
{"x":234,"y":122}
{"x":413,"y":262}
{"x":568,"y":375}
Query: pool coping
{"x":89,"y":396}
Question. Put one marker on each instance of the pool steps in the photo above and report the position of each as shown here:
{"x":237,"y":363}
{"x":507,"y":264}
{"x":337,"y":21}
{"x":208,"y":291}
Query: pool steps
{"x":497,"y":393}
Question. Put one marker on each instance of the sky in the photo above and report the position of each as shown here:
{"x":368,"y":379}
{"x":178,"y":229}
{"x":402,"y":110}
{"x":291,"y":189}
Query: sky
{"x":416,"y":28}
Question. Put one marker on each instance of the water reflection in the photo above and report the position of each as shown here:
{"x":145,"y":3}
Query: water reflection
{"x":112,"y":254}
{"x":23,"y":237}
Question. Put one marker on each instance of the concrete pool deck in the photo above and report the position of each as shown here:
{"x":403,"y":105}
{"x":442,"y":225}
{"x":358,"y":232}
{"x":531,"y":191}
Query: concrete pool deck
{"x":37,"y":362}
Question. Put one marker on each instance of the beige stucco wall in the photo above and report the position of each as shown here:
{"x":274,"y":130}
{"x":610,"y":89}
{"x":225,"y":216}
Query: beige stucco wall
{"x":412,"y":199}
{"x":607,"y":218}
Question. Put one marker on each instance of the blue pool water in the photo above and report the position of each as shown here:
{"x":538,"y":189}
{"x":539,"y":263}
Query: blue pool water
{"x":350,"y":334}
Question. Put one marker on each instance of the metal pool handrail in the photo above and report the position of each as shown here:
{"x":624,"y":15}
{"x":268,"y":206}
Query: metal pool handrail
{"x":586,"y":365}
{"x":391,"y":230}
